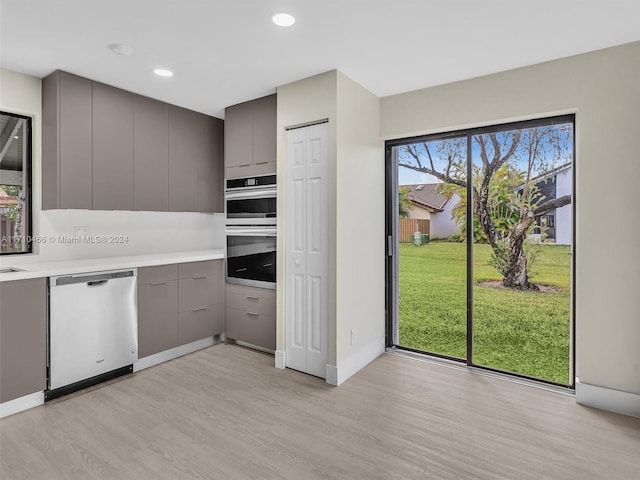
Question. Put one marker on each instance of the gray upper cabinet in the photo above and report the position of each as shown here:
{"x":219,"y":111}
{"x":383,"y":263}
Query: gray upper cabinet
{"x":250,"y":138}
{"x":186,"y":149}
{"x":67,"y":141}
{"x":264,"y":131}
{"x":107,"y":149}
{"x":150,"y":154}
{"x":23,"y":342}
{"x":112,"y":148}
{"x":237,"y":136}
{"x":211,"y":168}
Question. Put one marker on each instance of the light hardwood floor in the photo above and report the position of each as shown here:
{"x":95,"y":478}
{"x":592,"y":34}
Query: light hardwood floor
{"x":226,"y":413}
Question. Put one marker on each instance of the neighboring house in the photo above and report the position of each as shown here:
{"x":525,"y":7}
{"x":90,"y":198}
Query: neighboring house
{"x":428,"y":204}
{"x":7,"y":228}
{"x":553,"y":184}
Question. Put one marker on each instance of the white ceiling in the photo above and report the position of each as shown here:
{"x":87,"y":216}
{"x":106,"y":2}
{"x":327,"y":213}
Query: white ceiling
{"x":227,"y":51}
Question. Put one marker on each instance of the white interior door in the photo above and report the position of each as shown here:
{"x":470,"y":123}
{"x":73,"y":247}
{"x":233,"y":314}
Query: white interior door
{"x":307,"y":259}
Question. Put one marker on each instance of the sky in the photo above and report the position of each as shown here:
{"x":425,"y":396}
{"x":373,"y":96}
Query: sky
{"x":407,"y":176}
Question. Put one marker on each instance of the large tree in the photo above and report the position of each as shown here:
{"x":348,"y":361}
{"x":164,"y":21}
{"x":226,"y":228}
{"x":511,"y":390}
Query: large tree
{"x":524,"y":154}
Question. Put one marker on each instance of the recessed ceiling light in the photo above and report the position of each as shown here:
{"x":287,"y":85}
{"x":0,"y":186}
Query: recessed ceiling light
{"x":163,"y":72}
{"x":283,"y":19}
{"x":121,"y":49}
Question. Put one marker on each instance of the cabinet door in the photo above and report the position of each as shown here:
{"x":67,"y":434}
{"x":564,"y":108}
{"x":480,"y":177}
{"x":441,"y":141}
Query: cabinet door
{"x":238,"y":146}
{"x":187,"y":131}
{"x":264,"y":133}
{"x":76,"y":142}
{"x":198,"y":323}
{"x":157,"y":317}
{"x":150,"y":154}
{"x":211,"y":169}
{"x":112,"y":148}
{"x":23,"y":344}
{"x":251,"y":327}
{"x":251,"y":315}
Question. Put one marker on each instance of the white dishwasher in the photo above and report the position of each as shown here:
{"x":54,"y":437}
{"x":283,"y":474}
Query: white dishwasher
{"x":93,"y":329}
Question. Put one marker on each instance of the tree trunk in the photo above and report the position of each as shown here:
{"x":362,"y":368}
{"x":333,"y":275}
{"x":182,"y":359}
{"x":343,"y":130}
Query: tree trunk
{"x":517,"y":275}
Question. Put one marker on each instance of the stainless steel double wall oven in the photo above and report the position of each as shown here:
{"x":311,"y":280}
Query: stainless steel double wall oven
{"x":251,"y":231}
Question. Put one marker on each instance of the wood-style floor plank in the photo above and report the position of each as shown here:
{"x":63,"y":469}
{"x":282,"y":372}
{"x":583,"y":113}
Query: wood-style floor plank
{"x":226,"y":413}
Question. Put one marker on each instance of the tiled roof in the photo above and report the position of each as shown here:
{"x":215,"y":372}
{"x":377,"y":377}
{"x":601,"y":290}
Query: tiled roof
{"x":426,"y":195}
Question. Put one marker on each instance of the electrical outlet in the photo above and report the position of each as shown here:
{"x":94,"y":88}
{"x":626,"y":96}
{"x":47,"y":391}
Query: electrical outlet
{"x":353,"y":336}
{"x":82,"y":231}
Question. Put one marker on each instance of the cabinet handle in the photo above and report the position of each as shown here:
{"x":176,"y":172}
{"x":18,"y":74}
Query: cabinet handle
{"x":198,"y":309}
{"x":267,"y":265}
{"x":253,"y":314}
{"x":252,"y":298}
{"x":244,"y":165}
{"x":155,"y":284}
{"x":261,"y":163}
{"x":199,"y":278}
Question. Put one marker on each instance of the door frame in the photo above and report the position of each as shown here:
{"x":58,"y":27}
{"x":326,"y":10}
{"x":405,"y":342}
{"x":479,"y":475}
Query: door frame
{"x":391,"y":240}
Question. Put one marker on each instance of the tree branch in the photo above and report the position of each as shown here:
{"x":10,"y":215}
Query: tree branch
{"x":552,"y":204}
{"x":414,"y":154}
{"x":483,"y":151}
{"x":435,"y":173}
{"x":426,"y":147}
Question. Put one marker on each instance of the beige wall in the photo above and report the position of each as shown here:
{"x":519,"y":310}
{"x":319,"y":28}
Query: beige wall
{"x":305,"y":101}
{"x":356,"y":184}
{"x":360,"y":220}
{"x":419,"y":213}
{"x":603,"y":89}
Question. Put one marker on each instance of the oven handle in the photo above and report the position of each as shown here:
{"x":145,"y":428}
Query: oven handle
{"x":251,"y":232}
{"x":251,"y":194}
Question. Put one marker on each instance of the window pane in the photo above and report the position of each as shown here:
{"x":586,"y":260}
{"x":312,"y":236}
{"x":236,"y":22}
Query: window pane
{"x":15,"y":163}
{"x":521,"y":251}
{"x":432,"y":259}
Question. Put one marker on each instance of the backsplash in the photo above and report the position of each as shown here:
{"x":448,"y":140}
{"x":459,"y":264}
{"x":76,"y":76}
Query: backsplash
{"x":78,"y":234}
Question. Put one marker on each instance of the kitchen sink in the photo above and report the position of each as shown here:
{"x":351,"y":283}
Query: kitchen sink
{"x":10,"y":270}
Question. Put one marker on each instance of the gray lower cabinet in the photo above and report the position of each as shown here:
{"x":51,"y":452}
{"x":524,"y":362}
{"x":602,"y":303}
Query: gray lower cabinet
{"x":112,"y":148}
{"x":157,"y":309}
{"x":23,"y":342}
{"x":67,"y":141}
{"x":200,"y":287}
{"x":150,"y":155}
{"x":251,"y":315}
{"x":178,"y":304}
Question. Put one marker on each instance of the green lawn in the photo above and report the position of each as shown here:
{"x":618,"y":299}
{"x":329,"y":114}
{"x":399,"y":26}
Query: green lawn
{"x":523,"y":332}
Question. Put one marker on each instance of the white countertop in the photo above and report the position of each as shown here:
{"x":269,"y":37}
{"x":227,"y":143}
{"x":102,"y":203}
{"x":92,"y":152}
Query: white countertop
{"x":70,"y":267}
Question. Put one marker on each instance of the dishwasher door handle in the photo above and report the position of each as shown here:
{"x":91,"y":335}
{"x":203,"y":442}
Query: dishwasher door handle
{"x":97,"y":283}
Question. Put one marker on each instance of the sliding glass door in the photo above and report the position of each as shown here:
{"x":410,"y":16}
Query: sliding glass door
{"x":432,"y":275}
{"x":481,"y":225}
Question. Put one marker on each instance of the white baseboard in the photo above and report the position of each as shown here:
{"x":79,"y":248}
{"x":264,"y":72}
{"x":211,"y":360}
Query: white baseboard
{"x":336,"y":375}
{"x":608,"y":399}
{"x":280,"y":359}
{"x":331,"y":375}
{"x":21,"y":404}
{"x":167,"y":355}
